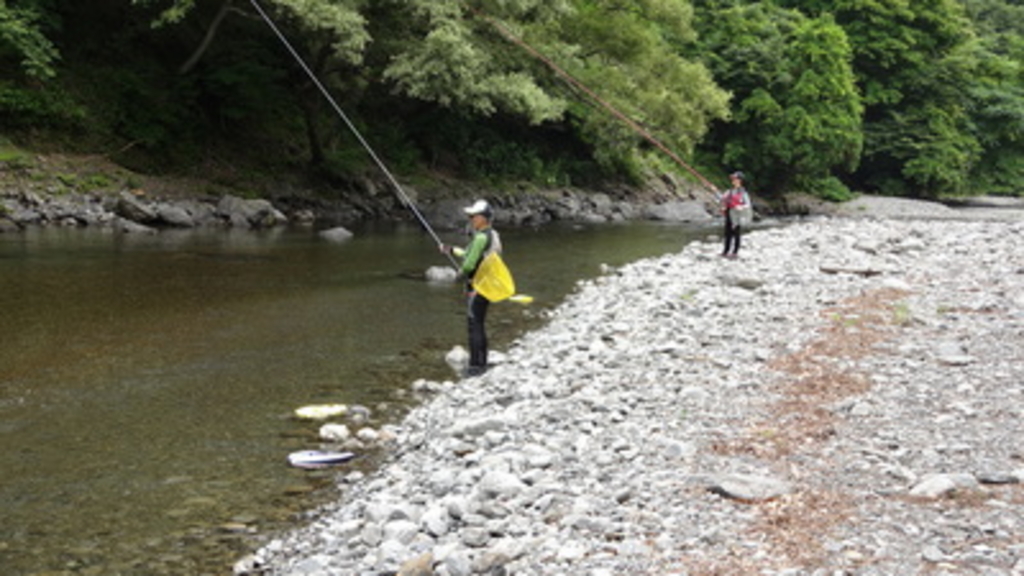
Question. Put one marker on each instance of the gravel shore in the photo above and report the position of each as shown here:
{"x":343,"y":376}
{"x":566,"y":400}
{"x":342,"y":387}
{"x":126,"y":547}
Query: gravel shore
{"x":845,"y":398}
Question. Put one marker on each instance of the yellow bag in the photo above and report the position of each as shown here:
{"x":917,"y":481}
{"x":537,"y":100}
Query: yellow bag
{"x":493,"y":279}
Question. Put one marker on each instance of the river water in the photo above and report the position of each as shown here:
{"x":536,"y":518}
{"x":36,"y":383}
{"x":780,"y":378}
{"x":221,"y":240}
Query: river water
{"x":147,"y":383}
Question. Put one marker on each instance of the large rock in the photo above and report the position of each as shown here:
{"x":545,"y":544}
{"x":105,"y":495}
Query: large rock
{"x":174,"y":216}
{"x":131,"y":208}
{"x":446,"y":214}
{"x":249,"y":213}
{"x":8,"y":225}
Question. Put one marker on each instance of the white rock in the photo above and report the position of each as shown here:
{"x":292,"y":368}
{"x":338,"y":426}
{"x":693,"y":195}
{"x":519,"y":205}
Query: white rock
{"x":936,"y":485}
{"x":335,"y":432}
{"x":457,"y":358}
{"x":441,"y":274}
{"x":368,"y":435}
{"x":436,"y":521}
{"x":403,"y":531}
{"x":749,"y":487}
{"x":338,"y":234}
{"x":496,"y":484}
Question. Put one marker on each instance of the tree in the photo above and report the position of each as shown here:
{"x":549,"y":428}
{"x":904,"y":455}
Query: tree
{"x":632,"y":54}
{"x":911,"y":72}
{"x":997,"y":95}
{"x":466,"y":59}
{"x":23,"y":39}
{"x":450,"y":55}
{"x":28,"y":63}
{"x":820,"y":133}
{"x":797,"y":112}
{"x":445,"y":55}
{"x":332,"y":36}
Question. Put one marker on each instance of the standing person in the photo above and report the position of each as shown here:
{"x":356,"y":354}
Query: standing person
{"x":733,"y":201}
{"x":484,"y":240}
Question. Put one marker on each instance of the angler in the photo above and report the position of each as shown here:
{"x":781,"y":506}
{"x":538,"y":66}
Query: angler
{"x":488,"y":279}
{"x":483,"y":248}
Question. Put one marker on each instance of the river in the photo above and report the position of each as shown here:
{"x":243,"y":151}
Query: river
{"x":147,"y":383}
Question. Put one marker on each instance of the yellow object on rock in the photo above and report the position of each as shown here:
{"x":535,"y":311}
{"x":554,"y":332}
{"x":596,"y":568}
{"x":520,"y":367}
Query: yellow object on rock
{"x":493,"y":280}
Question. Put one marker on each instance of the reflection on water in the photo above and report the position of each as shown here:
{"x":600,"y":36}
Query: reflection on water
{"x":147,"y":382}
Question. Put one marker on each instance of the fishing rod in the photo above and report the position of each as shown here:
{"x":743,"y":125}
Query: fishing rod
{"x":355,"y":131}
{"x":519,"y":298}
{"x":508,"y":35}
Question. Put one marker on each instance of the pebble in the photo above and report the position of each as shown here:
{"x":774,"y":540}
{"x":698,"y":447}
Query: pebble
{"x":846,"y":398}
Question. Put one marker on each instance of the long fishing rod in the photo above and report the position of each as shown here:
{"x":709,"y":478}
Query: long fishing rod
{"x":355,"y":131}
{"x":572,"y":80}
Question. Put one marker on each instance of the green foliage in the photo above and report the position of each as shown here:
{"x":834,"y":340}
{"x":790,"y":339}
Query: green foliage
{"x":503,"y":149}
{"x":443,"y":55}
{"x":449,"y":69}
{"x":340,"y":21}
{"x":23,"y":37}
{"x":175,"y":12}
{"x":470,"y":63}
{"x":798,"y":113}
{"x":84,"y":182}
{"x":633,"y":59}
{"x":829,"y":188}
{"x":12,"y":157}
{"x":909,"y":65}
{"x":50,"y":106}
{"x":996,"y":101}
{"x":926,"y":146}
{"x":923,"y":98}
{"x":820,"y":130}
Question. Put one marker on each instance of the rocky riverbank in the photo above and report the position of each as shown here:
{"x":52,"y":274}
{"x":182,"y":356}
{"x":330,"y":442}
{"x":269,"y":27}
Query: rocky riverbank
{"x":846,"y":397}
{"x":72,"y":191}
{"x":89,"y":191}
{"x":139,"y":213}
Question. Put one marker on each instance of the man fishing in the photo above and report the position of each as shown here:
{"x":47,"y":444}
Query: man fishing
{"x":484,"y":240}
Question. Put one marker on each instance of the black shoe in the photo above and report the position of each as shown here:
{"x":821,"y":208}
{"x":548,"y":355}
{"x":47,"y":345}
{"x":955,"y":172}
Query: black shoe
{"x":472,"y":371}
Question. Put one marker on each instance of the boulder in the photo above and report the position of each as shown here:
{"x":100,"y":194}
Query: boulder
{"x":8,"y":226}
{"x":337,"y":235}
{"x":249,"y":213}
{"x":131,"y":208}
{"x":174,"y":216}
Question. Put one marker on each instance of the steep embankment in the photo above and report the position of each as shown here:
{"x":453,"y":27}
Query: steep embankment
{"x":847,"y":396}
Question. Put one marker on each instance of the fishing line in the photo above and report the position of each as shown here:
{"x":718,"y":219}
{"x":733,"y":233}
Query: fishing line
{"x":355,"y":131}
{"x":572,"y":80}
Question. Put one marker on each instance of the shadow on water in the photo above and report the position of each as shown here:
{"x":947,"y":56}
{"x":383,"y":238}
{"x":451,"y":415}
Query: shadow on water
{"x":147,"y":383}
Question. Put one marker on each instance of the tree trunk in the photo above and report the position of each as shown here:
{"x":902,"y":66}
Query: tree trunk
{"x":311,"y":101}
{"x":211,"y":32}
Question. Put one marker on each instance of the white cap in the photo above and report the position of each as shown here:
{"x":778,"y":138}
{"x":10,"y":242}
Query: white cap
{"x":478,"y":207}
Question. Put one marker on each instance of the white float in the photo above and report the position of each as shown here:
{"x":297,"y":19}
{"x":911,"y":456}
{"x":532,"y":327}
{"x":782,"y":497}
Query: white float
{"x":318,"y":458}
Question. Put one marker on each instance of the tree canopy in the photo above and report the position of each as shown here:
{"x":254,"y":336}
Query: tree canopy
{"x":910,"y":97}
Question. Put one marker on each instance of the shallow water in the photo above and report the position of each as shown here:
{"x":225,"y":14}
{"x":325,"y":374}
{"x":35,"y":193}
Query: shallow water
{"x":147,"y":382}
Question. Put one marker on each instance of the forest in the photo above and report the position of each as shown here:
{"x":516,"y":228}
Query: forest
{"x":916,"y":98}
